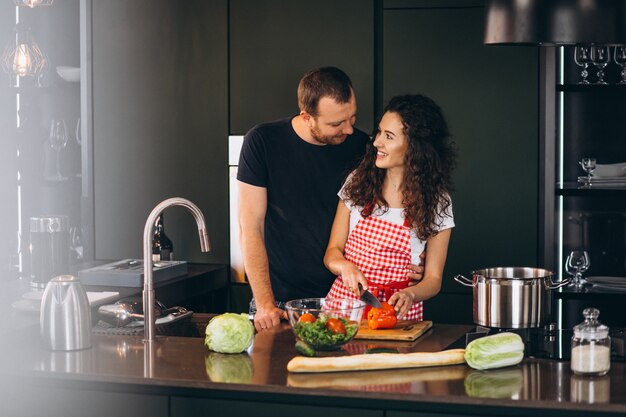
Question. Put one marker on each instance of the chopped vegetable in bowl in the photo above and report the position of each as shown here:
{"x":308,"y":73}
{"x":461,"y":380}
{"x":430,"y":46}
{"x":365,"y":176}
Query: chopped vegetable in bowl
{"x":322,"y":336}
{"x":325,"y":324}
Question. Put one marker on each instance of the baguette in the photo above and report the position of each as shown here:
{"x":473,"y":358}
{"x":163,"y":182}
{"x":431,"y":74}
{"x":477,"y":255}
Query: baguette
{"x":376,"y":361}
{"x":377,"y":377}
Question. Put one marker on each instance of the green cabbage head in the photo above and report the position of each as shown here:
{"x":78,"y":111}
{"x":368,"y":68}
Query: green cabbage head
{"x":495,"y":351}
{"x":229,"y":333}
{"x":237,"y":369}
{"x":501,"y":383}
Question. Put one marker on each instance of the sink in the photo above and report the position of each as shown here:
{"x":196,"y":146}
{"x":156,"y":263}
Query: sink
{"x":192,"y":325}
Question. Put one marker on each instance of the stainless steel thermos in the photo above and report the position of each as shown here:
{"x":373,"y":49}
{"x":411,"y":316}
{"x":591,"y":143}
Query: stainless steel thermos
{"x":65,"y":320}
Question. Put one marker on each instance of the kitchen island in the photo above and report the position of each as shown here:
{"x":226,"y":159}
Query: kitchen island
{"x":179,"y":376}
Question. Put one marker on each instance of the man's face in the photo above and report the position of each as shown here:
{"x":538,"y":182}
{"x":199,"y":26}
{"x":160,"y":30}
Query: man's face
{"x":334,"y":121}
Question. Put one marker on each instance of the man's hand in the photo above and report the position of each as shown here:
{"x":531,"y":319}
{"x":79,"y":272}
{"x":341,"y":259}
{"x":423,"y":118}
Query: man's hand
{"x":266,"y":318}
{"x":417,"y":271}
{"x":401,"y":302}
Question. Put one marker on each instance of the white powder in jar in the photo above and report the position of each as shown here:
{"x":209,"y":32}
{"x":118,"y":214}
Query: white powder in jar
{"x":591,"y":359}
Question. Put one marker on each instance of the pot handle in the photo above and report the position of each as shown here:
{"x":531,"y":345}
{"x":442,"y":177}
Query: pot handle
{"x":554,"y":285}
{"x":464,"y":281}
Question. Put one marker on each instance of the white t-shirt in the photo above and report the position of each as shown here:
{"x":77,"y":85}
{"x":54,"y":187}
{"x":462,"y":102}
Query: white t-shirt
{"x":396,"y":216}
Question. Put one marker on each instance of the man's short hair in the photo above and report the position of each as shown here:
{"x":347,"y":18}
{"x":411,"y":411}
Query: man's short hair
{"x":323,"y":82}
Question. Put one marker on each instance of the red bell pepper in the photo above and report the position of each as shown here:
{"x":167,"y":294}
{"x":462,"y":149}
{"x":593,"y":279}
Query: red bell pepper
{"x":382,"y":318}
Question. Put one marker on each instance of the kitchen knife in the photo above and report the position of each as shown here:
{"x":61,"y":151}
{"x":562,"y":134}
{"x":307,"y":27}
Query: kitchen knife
{"x":368,"y":298}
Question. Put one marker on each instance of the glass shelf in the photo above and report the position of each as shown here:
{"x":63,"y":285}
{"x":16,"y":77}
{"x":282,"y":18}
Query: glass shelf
{"x":61,"y":85}
{"x":585,"y":88}
{"x":574,"y":188}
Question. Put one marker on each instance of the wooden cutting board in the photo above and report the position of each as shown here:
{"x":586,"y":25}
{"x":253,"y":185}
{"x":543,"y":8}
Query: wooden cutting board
{"x":406,"y":330}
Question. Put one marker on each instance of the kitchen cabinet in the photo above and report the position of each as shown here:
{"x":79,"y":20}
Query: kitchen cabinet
{"x":44,"y":399}
{"x":41,"y":173}
{"x":418,"y":414}
{"x":273,"y":43}
{"x":160,"y":120}
{"x":490,"y":97}
{"x":588,"y":124}
{"x":182,"y":407}
{"x":582,"y":121}
{"x":148,"y":112}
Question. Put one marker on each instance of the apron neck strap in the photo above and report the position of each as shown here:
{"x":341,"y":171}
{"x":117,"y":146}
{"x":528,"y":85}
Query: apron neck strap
{"x":407,"y":222}
{"x":369,"y":209}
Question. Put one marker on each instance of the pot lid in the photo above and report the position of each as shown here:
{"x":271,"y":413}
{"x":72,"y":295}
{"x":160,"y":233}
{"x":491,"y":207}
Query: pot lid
{"x":591,"y":328}
{"x":513,"y":273}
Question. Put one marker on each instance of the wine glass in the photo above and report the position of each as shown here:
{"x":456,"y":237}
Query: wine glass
{"x":76,"y":241}
{"x":619,"y":56}
{"x":600,"y":57}
{"x":576,"y":263}
{"x":58,"y":141}
{"x":582,"y":57}
{"x":78,"y":136}
{"x":588,"y":165}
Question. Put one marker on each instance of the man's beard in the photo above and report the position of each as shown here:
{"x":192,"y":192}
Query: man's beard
{"x":327,"y":140}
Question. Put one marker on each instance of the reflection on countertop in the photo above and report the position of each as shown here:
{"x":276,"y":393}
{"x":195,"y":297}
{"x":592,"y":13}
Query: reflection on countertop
{"x":184,"y":363}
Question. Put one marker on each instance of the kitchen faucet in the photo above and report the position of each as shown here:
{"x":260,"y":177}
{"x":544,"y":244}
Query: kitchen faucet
{"x":148,"y":281}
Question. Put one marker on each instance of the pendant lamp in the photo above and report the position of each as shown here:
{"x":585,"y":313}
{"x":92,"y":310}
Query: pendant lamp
{"x":23,"y":57}
{"x":33,"y":3}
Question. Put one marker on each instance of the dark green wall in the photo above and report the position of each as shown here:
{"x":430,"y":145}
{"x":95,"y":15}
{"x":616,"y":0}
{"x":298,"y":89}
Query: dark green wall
{"x":274,"y":42}
{"x":160,"y":122}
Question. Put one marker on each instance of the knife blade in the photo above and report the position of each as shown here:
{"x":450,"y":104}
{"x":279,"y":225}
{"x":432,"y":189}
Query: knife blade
{"x":369,"y":298}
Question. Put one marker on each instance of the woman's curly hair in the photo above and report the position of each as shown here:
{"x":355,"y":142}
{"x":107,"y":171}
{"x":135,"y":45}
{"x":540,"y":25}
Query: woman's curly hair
{"x":430,"y":160}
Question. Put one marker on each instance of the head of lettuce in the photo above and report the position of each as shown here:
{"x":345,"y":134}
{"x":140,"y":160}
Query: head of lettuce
{"x":495,"y":351}
{"x":229,"y":333}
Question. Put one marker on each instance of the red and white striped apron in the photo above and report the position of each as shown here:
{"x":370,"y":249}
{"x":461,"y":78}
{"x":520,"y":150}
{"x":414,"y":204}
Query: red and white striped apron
{"x":382,"y":251}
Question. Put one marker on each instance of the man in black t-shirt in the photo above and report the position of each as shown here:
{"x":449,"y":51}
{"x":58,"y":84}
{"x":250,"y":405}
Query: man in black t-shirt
{"x":289,"y":174}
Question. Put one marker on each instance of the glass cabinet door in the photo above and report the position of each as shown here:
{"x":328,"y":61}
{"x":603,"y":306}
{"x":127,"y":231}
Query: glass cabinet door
{"x":43,"y":131}
{"x":590,"y":206}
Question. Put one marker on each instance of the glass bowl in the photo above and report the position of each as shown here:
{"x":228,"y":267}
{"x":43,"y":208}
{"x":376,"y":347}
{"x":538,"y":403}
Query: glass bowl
{"x":325,"y":324}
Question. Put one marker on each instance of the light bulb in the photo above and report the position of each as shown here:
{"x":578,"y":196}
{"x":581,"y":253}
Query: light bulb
{"x":24,"y":58}
{"x":22,"y":61}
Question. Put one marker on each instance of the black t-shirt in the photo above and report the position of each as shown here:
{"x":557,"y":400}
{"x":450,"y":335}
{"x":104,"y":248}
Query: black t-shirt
{"x":302,"y":181}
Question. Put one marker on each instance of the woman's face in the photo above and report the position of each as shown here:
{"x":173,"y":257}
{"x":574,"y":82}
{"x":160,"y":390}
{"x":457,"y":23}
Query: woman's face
{"x":391,"y":143}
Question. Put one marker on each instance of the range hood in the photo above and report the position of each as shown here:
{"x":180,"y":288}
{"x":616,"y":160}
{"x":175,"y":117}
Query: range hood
{"x":555,"y":22}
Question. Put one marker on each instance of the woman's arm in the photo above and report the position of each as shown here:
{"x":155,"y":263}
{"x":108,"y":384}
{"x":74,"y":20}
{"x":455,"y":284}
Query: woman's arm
{"x":431,"y":283}
{"x":334,"y":259}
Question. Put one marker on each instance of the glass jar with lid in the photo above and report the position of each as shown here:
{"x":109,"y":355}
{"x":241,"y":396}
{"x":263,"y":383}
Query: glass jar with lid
{"x":591,"y":346}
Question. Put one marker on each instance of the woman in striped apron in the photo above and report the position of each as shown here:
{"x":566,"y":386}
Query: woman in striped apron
{"x":393,"y":205}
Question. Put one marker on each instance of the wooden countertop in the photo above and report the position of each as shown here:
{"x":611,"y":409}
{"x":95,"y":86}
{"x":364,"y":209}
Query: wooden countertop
{"x":184,"y":367}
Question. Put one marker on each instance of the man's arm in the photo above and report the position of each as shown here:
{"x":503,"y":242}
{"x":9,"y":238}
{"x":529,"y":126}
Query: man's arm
{"x":252,"y":209}
{"x":417,"y":271}
{"x":430,"y":285}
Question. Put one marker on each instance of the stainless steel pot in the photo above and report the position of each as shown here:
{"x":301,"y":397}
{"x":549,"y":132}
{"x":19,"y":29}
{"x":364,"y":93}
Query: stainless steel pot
{"x":511,"y":297}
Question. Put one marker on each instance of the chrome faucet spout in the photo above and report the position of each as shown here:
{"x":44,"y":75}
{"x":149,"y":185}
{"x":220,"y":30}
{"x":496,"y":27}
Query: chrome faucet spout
{"x":148,"y":280}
